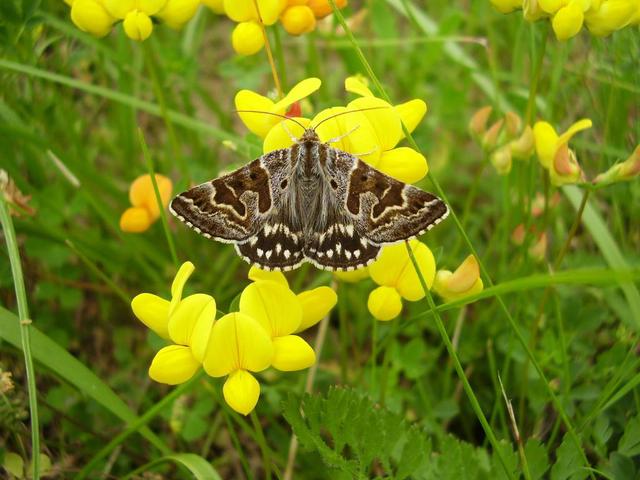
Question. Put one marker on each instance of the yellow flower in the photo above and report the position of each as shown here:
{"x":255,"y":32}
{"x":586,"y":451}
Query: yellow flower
{"x":607,"y":16}
{"x":506,"y":6}
{"x":178,"y":12}
{"x":298,"y":19}
{"x":371,"y":134}
{"x":261,"y":124}
{"x":145,"y":209}
{"x":501,"y":159}
{"x":245,"y":10}
{"x":568,"y":20}
{"x":238,"y":344}
{"x":461,"y":283}
{"x":352,"y":276}
{"x":92,"y":17}
{"x":187,"y":322}
{"x":394,"y":270}
{"x":247,"y":38}
{"x":622,"y":171}
{"x":217,"y":6}
{"x":554,"y":153}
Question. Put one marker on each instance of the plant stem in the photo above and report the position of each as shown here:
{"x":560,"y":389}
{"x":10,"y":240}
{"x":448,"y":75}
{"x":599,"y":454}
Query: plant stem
{"x":25,"y":338}
{"x":530,"y":114}
{"x":262,"y":442}
{"x":161,"y":208}
{"x":267,"y":47}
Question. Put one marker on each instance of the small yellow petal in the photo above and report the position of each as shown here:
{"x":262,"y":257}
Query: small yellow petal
{"x":241,"y":392}
{"x":384,"y":303}
{"x":278,"y":137}
{"x":256,"y":274}
{"x":273,"y":305}
{"x":441,"y":286}
{"x":316,"y":304}
{"x":383,"y":118}
{"x":247,"y":39}
{"x":404,"y":164}
{"x":173,"y":365}
{"x":465,"y":275}
{"x":142,"y":193}
{"x":91,"y":16}
{"x":408,"y":285}
{"x":550,"y":6}
{"x":137,"y":25}
{"x":153,"y":311}
{"x":353,"y":276}
{"x":178,"y":12}
{"x":184,"y":272}
{"x":151,"y":7}
{"x":298,"y":19}
{"x":411,"y":113}
{"x":301,"y":90}
{"x":237,"y":342}
{"x":119,"y":8}
{"x":258,"y":123}
{"x":567,"y":21}
{"x":291,"y":353}
{"x":356,"y":84}
{"x":546,"y":140}
{"x":216,"y":6}
{"x":580,"y":125}
{"x":135,"y":220}
{"x":187,"y":314}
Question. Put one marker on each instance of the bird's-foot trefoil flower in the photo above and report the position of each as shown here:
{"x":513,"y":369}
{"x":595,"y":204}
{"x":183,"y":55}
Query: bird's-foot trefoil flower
{"x":463,"y":282}
{"x":396,"y":276}
{"x":186,"y":322}
{"x":623,"y":171}
{"x":145,"y":210}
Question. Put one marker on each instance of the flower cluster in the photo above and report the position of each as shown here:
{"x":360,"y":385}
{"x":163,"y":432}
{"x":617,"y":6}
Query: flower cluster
{"x":601,"y":17}
{"x":145,"y":210}
{"x":296,"y":16}
{"x":98,"y":17}
{"x":259,"y":335}
{"x":372,"y":135}
{"x":504,"y":140}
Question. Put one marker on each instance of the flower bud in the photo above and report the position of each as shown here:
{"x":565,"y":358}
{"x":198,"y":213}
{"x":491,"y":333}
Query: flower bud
{"x":490,"y":138}
{"x":523,"y":146}
{"x":565,"y":168}
{"x":384,"y":303}
{"x":478,"y":123}
{"x":619,"y":172}
{"x":137,"y":25}
{"x":247,"y":38}
{"x":461,"y":283}
{"x":512,"y":124}
{"x":539,"y":249}
{"x":135,"y":220}
{"x":518,"y":234}
{"x":501,"y":160}
{"x":298,"y":19}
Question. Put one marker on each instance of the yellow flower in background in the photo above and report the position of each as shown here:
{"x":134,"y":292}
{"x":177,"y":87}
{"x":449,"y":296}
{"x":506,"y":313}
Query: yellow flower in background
{"x":461,"y":283}
{"x":187,"y":322}
{"x":506,"y":6}
{"x":372,"y":134}
{"x":352,"y":276}
{"x":554,"y":153}
{"x":238,"y":345}
{"x":98,"y":16}
{"x":396,"y":275}
{"x":607,"y":16}
{"x":622,"y":171}
{"x":142,"y":196}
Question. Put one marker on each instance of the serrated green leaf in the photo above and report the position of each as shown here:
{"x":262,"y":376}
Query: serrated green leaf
{"x":569,"y":462}
{"x":629,"y":444}
{"x":537,"y":458}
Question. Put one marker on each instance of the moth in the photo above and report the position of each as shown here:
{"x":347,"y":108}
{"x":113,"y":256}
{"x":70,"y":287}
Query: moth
{"x":308,"y":203}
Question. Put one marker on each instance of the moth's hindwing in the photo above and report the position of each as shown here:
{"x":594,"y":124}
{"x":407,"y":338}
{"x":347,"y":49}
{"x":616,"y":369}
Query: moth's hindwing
{"x":232,"y":208}
{"x":383,"y":209}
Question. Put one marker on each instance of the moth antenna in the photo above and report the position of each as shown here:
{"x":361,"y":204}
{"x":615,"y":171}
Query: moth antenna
{"x":273,"y":114}
{"x":340,"y":137}
{"x":291,"y":135}
{"x":344,"y":113}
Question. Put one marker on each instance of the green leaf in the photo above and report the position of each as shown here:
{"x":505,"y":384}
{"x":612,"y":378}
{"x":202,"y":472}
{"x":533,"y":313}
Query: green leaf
{"x":537,"y":458}
{"x":569,"y":462}
{"x":195,"y":464}
{"x":13,"y":464}
{"x":62,"y":363}
{"x":629,"y":444}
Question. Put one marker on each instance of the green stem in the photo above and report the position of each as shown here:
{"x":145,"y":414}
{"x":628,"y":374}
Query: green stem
{"x":535,"y":80}
{"x":152,"y":67}
{"x":135,"y":426}
{"x":262,"y":442}
{"x":161,"y":209}
{"x":25,"y":322}
{"x":458,"y":366}
{"x":556,"y":402}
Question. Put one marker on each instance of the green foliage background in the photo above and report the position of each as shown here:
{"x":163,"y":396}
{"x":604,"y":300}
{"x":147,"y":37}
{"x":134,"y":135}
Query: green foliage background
{"x":388,"y":401}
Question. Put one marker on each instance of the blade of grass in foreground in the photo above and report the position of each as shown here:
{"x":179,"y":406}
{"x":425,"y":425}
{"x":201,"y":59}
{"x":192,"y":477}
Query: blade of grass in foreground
{"x":24,"y":324}
{"x":198,"y":466}
{"x":61,"y":362}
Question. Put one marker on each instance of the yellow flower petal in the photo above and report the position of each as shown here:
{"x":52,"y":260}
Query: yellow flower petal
{"x":404,"y":163}
{"x":258,"y":123}
{"x":384,"y":303}
{"x":178,"y":12}
{"x":408,"y":285}
{"x":292,"y":353}
{"x":142,"y":193}
{"x":153,"y":311}
{"x":580,"y":125}
{"x":278,"y":137}
{"x":137,"y":25}
{"x":316,"y":304}
{"x":298,"y":19}
{"x":322,"y":8}
{"x":550,"y":6}
{"x":256,"y":274}
{"x":91,"y":16}
{"x":301,"y":90}
{"x":546,"y":140}
{"x":247,"y":39}
{"x":567,"y":22}
{"x":216,"y":6}
{"x":119,"y":8}
{"x":411,"y":113}
{"x":353,"y":276}
{"x":384,"y":120}
{"x":173,"y":365}
{"x":185,"y":317}
{"x":135,"y":220}
{"x":506,"y":6}
{"x":151,"y":7}
{"x":184,"y":272}
{"x":241,"y":392}
{"x":273,"y":305}
{"x":237,"y":342}
{"x":356,"y":84}
{"x":441,"y":286}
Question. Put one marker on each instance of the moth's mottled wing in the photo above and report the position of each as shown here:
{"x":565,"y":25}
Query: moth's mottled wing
{"x":382,"y":209}
{"x":234,"y":207}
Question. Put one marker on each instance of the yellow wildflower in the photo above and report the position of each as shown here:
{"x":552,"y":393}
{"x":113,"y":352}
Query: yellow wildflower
{"x":461,"y":283}
{"x":145,"y":209}
{"x":622,"y":171}
{"x":186,"y":322}
{"x":247,"y":38}
{"x":298,"y":19}
{"x":396,"y":275}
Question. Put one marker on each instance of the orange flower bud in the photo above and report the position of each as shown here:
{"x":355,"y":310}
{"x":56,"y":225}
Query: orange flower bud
{"x":298,"y":19}
{"x":490,"y":138}
{"x":478,"y":123}
{"x":322,"y":8}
